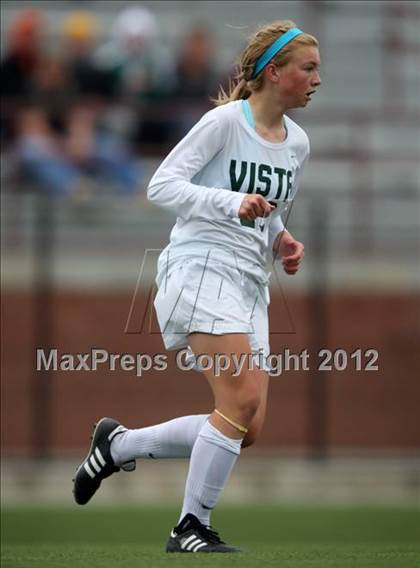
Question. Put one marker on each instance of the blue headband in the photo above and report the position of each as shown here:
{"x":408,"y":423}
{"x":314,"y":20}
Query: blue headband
{"x":280,"y":42}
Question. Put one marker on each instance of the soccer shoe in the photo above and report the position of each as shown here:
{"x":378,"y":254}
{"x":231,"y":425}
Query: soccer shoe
{"x":98,"y":464}
{"x":192,"y":536}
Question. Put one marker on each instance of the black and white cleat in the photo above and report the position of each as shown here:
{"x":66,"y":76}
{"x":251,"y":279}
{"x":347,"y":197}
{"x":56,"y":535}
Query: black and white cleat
{"x":192,"y":536}
{"x":98,"y":464}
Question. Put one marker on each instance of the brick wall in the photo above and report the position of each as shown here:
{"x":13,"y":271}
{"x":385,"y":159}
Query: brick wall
{"x":347,"y":409}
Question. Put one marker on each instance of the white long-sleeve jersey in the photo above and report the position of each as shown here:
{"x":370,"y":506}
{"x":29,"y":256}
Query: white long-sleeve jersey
{"x":205,"y":178}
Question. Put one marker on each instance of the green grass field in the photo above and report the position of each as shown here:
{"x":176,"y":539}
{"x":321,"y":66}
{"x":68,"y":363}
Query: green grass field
{"x":270,"y":536}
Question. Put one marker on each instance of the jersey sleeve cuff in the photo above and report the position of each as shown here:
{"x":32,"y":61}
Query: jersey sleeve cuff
{"x":235,"y":204}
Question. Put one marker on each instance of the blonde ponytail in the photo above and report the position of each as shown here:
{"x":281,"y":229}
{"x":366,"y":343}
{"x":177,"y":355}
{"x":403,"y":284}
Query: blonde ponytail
{"x":237,"y":90}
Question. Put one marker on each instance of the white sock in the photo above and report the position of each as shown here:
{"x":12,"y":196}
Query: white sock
{"x":212,"y":460}
{"x":173,"y":439}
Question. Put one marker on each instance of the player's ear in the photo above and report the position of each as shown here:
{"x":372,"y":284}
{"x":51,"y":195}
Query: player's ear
{"x":272,"y":72}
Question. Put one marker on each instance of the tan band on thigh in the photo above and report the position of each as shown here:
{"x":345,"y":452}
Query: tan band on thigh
{"x":231,"y":422}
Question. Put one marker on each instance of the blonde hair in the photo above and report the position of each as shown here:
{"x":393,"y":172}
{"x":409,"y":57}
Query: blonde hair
{"x":258,"y":43}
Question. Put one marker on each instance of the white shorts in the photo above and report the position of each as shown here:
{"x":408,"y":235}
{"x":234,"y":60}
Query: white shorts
{"x":211,"y":297}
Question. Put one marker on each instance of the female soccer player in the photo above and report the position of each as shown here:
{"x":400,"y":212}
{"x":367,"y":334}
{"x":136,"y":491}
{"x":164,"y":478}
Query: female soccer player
{"x":228,"y":181}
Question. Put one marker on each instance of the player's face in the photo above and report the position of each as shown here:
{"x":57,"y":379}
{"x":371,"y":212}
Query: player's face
{"x":299,"y":79}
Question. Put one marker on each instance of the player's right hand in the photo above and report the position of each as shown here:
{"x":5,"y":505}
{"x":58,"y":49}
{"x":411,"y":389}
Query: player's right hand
{"x":254,"y":206}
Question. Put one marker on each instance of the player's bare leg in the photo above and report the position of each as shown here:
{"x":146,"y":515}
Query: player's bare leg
{"x":242,"y":397}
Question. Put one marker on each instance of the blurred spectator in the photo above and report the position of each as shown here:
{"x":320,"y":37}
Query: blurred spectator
{"x":99,"y":152}
{"x":41,"y":158}
{"x":144,"y":75}
{"x":23,"y":53}
{"x":21,"y":61}
{"x":143,"y":69}
{"x":93,"y":142}
{"x":195,"y":71}
{"x":196,"y":79}
{"x":80,"y":36}
{"x":52,"y":91}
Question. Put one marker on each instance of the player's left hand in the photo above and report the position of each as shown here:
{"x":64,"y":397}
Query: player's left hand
{"x":290,"y":251}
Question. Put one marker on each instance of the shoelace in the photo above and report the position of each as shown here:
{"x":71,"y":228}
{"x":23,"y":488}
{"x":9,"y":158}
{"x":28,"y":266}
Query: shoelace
{"x":211,"y":535}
